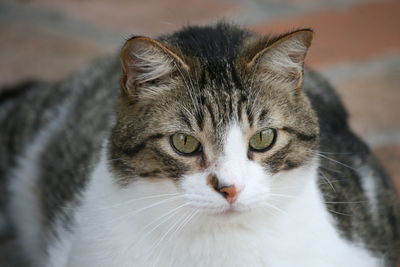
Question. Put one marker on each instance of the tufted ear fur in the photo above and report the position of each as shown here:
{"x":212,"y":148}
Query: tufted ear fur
{"x":283,"y":58}
{"x":147,"y":61}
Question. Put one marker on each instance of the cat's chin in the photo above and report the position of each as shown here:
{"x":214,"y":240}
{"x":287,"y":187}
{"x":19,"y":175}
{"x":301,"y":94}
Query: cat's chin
{"x":231,"y":217}
{"x":230,"y":214}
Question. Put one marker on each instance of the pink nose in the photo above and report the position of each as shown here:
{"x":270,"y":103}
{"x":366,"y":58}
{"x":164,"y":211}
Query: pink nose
{"x":229,"y":192}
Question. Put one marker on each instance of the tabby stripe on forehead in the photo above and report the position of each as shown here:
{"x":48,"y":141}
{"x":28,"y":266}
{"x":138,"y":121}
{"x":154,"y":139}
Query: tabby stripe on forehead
{"x":262,"y":116}
{"x":239,"y":111}
{"x":299,"y":135}
{"x":132,"y":151}
{"x":199,"y":117}
{"x":250,"y":117}
{"x":241,"y":101}
{"x":230,"y":106}
{"x":213,"y":120}
{"x":186,"y":121}
{"x":236,"y":79}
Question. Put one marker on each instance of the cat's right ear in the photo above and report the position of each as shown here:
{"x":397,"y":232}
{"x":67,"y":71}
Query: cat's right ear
{"x":146,"y":61}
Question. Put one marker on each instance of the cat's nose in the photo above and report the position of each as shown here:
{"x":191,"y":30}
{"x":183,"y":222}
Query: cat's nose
{"x":229,"y":192}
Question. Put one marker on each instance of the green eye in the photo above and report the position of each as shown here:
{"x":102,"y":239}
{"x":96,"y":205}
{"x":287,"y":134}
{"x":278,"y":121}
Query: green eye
{"x":185,"y":144}
{"x":262,"y":140}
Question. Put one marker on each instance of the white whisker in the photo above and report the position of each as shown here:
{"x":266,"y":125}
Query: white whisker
{"x":333,"y":160}
{"x":130,"y":201}
{"x":121,"y":219}
{"x":164,"y":218}
{"x":180,"y":228}
{"x":275,"y":208}
{"x":157,"y":243}
{"x":340,"y":213}
{"x":329,"y":182}
{"x":281,"y":195}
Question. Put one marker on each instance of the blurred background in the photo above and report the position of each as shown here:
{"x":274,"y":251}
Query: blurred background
{"x":356,"y":45}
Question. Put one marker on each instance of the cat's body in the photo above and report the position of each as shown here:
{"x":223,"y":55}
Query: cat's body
{"x":90,"y":187}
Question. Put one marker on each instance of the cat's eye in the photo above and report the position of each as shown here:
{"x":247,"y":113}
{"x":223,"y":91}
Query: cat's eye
{"x":263,"y":140}
{"x":185,"y":144}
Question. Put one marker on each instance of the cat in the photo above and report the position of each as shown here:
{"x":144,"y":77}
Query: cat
{"x":210,"y":146}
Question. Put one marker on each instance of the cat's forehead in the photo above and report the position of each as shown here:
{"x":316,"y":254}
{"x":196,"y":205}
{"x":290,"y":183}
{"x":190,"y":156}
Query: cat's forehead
{"x":212,"y":113}
{"x":218,"y":100}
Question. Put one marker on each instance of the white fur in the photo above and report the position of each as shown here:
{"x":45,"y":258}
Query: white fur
{"x":24,"y":207}
{"x":369,"y":187}
{"x":146,"y":224}
{"x":60,"y":246}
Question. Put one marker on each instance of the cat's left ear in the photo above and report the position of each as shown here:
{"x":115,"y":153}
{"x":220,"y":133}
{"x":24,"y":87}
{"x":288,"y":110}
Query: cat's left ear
{"x":282,"y":59}
{"x":146,"y":61}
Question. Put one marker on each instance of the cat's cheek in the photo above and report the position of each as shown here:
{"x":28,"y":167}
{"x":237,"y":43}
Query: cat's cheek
{"x":257,"y":187}
{"x":199,"y":195}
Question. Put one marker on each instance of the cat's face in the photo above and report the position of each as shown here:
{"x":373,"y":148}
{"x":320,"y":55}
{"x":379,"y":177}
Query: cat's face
{"x":231,"y":135}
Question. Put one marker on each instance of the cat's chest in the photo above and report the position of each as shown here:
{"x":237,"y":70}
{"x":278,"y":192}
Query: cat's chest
{"x":288,"y":243}
{"x":286,"y":246}
{"x":231,"y":247}
{"x":116,"y":230}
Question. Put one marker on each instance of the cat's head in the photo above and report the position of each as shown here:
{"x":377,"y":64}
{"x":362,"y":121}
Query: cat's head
{"x":218,"y":115}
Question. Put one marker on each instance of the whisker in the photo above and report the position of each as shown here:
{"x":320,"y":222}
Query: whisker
{"x":121,"y":219}
{"x":339,"y":172}
{"x":345,"y":202}
{"x":185,"y":222}
{"x":334,"y":153}
{"x":164,"y":218}
{"x":288,"y":187}
{"x":137,"y":199}
{"x":155,"y":204}
{"x":281,"y":195}
{"x":333,"y":160}
{"x":340,"y":213}
{"x":179,"y":229}
{"x":275,"y":208}
{"x":329,"y":182}
{"x":155,"y":246}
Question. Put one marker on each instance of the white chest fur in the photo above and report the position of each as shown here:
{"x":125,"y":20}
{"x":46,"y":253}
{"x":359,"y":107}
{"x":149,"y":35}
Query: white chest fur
{"x":134,"y":227}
